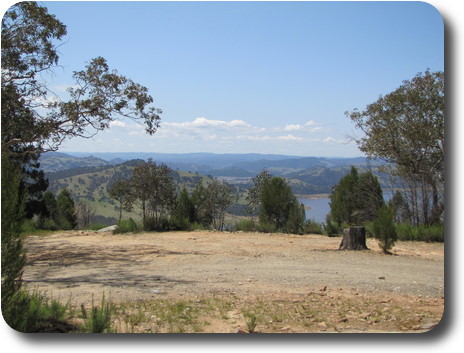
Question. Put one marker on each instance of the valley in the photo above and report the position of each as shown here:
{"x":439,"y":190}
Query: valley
{"x":87,"y":176}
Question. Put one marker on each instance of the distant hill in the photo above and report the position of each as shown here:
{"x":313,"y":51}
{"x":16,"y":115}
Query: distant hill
{"x":229,"y":164}
{"x":88,"y":177}
{"x":91,"y":183}
{"x":56,"y":161}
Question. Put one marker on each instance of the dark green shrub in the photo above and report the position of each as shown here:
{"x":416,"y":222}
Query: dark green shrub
{"x":127,"y":226}
{"x":433,"y":233}
{"x":265,"y":227}
{"x":312,"y":227}
{"x":35,"y":313}
{"x":99,"y":318}
{"x":330,"y":227}
{"x":180,"y":223}
{"x":246,"y":225}
{"x":408,"y":232}
{"x":28,"y":226}
{"x":296,"y":219}
{"x":384,"y":228}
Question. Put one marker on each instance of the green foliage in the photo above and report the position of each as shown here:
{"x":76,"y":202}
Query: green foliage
{"x":123,"y":192}
{"x":66,"y":211}
{"x":155,"y":189}
{"x":356,"y":199}
{"x":128,"y":226}
{"x":246,"y":225}
{"x":277,"y":205}
{"x":98,"y":320}
{"x":95,"y":226}
{"x":266,"y":227}
{"x":253,"y":197}
{"x":344,"y":199}
{"x":296,"y":219}
{"x":408,"y":232}
{"x":251,"y":320}
{"x":30,"y":36}
{"x":35,"y":313}
{"x":383,"y":228}
{"x":13,"y":258}
{"x":331,"y":228}
{"x":312,"y":227}
{"x":184,"y":211}
{"x":211,"y":202}
{"x":407,"y":128}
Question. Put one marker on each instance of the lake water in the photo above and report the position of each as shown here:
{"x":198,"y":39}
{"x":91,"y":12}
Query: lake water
{"x":320,"y":208}
{"x":316,"y":209}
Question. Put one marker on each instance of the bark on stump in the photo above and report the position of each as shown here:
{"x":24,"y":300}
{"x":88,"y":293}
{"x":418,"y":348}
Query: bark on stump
{"x":354,"y":238}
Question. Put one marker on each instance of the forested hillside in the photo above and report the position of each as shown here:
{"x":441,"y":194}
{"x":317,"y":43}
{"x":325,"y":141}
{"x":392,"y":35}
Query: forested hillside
{"x":91,"y":183}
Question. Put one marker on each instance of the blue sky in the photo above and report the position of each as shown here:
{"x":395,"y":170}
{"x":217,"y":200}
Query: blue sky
{"x":242,"y":77}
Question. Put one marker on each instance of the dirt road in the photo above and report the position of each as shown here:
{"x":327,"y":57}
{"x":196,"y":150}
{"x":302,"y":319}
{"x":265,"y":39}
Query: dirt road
{"x":175,"y":265}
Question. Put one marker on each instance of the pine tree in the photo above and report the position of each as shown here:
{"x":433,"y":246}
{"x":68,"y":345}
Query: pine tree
{"x":185,"y":209}
{"x":384,"y":228}
{"x":277,"y":205}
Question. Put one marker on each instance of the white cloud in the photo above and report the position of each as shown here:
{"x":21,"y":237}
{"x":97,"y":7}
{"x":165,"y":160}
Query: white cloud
{"x":207,"y":123}
{"x":253,"y":138}
{"x":310,"y":123}
{"x":292,"y":127}
{"x":329,"y":140}
{"x":309,"y":126}
{"x":117,"y":123}
{"x":290,"y":138}
{"x":239,"y":123}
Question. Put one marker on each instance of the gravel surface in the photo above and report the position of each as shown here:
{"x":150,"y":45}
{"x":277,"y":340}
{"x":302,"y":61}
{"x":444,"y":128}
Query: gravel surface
{"x":160,"y":265}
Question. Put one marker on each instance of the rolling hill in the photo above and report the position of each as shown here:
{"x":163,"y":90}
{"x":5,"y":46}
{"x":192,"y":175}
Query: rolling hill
{"x":88,"y":177}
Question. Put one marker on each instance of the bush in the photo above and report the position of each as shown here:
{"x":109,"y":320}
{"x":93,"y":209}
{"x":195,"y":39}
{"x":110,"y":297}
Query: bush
{"x":266,"y":227}
{"x":330,"y":227}
{"x":28,"y":226}
{"x":127,"y":226}
{"x":384,"y":229}
{"x":99,"y":318}
{"x":34,"y":313}
{"x":198,"y":226}
{"x":179,"y":223}
{"x":48,"y":224}
{"x":312,"y":227}
{"x":408,"y":232}
{"x":246,"y":225}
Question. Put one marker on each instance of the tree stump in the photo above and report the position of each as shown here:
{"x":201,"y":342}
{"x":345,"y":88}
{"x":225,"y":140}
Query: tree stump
{"x":354,"y":238}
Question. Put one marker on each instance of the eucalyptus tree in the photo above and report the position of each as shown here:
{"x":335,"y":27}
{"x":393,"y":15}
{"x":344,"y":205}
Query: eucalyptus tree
{"x":211,"y":202}
{"x":34,"y":117}
{"x":122,"y":191}
{"x":407,"y":129}
{"x":253,"y":197}
{"x":35,"y":120}
{"x":155,"y":189}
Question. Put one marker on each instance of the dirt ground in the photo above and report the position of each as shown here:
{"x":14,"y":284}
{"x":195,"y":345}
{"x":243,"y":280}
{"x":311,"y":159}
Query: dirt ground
{"x":287,"y":283}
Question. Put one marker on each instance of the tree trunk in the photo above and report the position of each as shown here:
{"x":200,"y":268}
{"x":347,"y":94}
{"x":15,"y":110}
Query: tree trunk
{"x":354,"y":238}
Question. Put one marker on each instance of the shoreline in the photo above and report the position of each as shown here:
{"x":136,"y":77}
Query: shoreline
{"x":312,"y":196}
